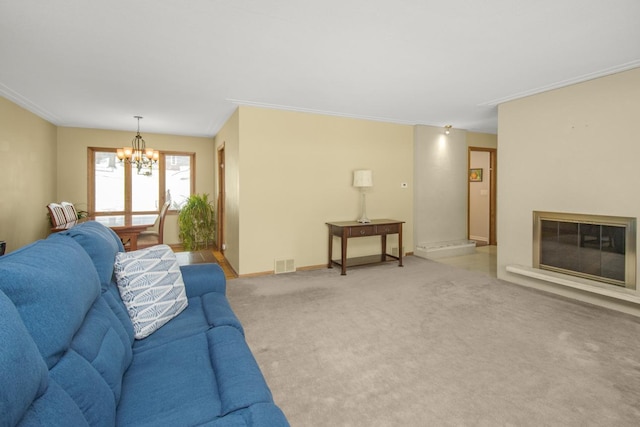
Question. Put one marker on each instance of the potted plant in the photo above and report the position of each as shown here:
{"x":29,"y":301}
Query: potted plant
{"x":196,"y":222}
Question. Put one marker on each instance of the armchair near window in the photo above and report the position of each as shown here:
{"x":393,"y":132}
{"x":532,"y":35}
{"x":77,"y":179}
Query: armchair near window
{"x":153,"y":235}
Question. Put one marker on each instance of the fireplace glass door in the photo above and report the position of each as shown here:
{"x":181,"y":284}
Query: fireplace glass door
{"x":588,"y":247}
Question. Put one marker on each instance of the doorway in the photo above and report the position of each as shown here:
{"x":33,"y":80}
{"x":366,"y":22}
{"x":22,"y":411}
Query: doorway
{"x":481,"y":196}
{"x":220,"y":220}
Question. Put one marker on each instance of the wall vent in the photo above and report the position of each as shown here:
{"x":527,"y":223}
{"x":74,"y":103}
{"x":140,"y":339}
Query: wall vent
{"x":284,"y":266}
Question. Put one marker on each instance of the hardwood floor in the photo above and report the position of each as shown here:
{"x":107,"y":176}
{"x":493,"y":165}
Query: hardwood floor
{"x":202,"y":256}
{"x":228,"y":271}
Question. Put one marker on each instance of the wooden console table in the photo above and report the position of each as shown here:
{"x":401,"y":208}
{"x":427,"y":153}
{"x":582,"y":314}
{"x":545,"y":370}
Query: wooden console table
{"x":377,"y":227}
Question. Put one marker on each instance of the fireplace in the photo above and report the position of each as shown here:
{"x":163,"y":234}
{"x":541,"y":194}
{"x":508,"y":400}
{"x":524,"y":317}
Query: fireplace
{"x":596,"y":247}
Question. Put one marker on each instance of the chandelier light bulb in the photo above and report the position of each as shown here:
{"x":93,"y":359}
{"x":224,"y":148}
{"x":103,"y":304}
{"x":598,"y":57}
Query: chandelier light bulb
{"x":138,"y":154}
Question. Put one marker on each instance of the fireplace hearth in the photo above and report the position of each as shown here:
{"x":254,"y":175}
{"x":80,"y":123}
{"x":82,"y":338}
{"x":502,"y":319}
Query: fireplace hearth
{"x":596,"y":247}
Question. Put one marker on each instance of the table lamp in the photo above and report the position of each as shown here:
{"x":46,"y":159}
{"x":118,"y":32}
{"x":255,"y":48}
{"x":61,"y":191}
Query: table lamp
{"x":363,"y":179}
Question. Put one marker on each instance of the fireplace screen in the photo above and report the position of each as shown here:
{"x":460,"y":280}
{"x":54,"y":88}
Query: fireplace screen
{"x":596,"y":247}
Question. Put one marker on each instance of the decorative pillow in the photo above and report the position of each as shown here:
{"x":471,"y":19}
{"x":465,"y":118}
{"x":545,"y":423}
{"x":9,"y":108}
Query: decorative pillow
{"x":151,"y":287}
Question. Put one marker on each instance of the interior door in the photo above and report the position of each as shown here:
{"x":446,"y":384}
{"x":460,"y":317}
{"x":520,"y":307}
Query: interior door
{"x":220,"y":202}
{"x":481,"y":214}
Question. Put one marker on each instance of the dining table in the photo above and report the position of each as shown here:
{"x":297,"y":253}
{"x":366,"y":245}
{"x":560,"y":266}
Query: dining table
{"x":128,"y":227}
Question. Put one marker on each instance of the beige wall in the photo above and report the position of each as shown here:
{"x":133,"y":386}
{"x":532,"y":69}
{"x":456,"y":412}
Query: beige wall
{"x":72,"y":150}
{"x":440,"y":193}
{"x":295,"y":174}
{"x":484,"y":140}
{"x":229,"y":138}
{"x":574,"y":149}
{"x":28,"y":174}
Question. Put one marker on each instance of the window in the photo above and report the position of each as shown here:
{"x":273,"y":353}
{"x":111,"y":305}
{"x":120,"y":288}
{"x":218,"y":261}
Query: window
{"x":117,"y":188}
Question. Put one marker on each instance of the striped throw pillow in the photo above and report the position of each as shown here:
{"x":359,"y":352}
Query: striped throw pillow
{"x":151,"y":287}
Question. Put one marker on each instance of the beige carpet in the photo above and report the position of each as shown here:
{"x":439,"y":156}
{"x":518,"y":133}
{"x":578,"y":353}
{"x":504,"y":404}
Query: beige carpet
{"x":431,"y":344}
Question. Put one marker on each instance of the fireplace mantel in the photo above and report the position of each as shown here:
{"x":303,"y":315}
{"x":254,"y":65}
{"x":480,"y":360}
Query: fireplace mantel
{"x":586,"y":285}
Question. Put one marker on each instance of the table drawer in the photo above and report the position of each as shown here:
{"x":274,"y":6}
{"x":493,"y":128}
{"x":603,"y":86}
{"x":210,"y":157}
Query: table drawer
{"x":388,"y":229}
{"x":364,"y":230}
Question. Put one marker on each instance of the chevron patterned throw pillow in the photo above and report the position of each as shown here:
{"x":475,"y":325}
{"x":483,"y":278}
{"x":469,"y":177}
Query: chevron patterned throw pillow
{"x":151,"y":287}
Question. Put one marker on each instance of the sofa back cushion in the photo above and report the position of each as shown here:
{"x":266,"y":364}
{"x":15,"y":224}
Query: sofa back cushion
{"x":28,"y":394}
{"x":101,"y":244}
{"x":104,"y":343}
{"x":56,"y":291}
{"x":23,"y":373}
{"x":53,"y":284}
{"x":86,"y":388}
{"x":54,"y":408}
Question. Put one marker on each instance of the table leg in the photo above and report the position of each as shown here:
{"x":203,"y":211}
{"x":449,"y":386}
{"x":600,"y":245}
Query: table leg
{"x":344,"y":252}
{"x":134,"y":242}
{"x":383,"y":239}
{"x":131,"y":238}
{"x":330,"y":262}
{"x":400,"y":245}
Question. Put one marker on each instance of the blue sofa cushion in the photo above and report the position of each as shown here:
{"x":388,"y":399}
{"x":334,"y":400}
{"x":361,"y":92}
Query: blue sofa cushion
{"x":170,"y":385}
{"x":192,"y":381}
{"x":201,"y":314}
{"x":104,"y":343}
{"x":52,"y":300}
{"x":101,"y":243}
{"x":238,"y":376}
{"x":263,"y":414}
{"x":151,"y":286}
{"x":54,"y":409}
{"x":112,"y":297}
{"x":23,"y":373}
{"x":86,"y":387}
{"x":203,"y":278}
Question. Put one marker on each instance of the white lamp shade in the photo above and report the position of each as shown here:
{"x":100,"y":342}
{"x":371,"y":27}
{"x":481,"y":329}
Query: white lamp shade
{"x":363,"y":178}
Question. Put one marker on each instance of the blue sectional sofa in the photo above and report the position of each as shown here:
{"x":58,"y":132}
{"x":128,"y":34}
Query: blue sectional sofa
{"x":68,"y":356}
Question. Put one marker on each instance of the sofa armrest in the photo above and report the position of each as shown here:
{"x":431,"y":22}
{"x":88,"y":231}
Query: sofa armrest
{"x":200,"y":279}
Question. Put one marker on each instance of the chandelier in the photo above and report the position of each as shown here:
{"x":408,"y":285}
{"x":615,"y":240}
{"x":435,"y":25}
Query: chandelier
{"x":137,"y":154}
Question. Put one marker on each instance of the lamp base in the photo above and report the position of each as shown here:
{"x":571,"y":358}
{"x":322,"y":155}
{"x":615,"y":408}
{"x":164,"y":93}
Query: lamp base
{"x":363,"y":208}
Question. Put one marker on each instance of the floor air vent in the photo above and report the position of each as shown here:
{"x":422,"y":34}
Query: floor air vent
{"x":284,"y":266}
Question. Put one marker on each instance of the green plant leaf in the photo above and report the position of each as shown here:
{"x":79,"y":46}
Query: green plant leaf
{"x":197,"y":222}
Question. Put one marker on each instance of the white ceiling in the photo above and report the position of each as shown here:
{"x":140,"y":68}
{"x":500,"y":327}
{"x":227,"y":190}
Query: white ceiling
{"x":185,"y":65}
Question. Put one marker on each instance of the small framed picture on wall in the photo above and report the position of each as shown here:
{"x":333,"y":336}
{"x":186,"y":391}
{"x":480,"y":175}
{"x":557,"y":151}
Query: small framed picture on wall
{"x":475,"y":175}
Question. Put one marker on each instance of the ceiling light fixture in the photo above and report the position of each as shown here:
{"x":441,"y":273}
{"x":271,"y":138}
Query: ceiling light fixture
{"x":447,"y":129}
{"x":137,"y":154}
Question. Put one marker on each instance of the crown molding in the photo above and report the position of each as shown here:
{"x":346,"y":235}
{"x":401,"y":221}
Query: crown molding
{"x":27,"y":104}
{"x":563,"y":83}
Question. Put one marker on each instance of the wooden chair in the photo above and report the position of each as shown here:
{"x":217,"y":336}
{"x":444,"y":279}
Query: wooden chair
{"x":70,"y":212}
{"x":56,"y":214}
{"x":153,"y":235}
